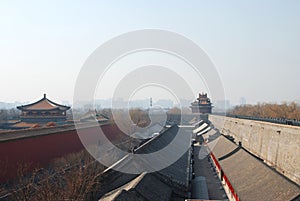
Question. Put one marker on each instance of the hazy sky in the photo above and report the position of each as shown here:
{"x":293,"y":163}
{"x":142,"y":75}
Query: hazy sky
{"x":255,"y":45}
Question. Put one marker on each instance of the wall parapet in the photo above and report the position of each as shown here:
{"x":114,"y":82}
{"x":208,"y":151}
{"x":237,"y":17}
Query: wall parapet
{"x":276,"y":144}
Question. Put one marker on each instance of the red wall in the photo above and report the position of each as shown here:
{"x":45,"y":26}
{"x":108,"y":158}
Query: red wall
{"x":41,"y":150}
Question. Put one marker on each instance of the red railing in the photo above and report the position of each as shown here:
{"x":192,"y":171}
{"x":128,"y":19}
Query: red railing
{"x":224,"y":177}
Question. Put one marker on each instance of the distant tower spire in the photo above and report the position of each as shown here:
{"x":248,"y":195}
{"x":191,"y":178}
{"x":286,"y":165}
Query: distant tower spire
{"x":150,"y":101}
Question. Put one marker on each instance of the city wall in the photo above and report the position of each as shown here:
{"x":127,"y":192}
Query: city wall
{"x":39,"y":147}
{"x":278,"y":145}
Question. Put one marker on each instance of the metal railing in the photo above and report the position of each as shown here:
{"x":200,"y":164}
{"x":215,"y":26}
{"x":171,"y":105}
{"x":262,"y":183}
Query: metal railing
{"x":292,"y":122}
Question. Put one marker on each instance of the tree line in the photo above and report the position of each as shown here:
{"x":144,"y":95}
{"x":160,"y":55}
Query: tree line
{"x":268,"y":110}
{"x":7,"y":114}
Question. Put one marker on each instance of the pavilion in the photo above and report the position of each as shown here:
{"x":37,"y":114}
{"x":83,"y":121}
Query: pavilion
{"x":43,"y":111}
{"x":202,"y":105}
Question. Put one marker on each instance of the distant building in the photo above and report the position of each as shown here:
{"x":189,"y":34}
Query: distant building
{"x":202,"y":104}
{"x":243,"y":101}
{"x":43,"y":111}
{"x":92,"y":116}
{"x":221,"y":106}
{"x":164,"y":103}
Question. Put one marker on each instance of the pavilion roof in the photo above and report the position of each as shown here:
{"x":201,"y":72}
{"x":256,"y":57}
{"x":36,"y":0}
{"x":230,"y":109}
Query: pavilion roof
{"x":43,"y":104}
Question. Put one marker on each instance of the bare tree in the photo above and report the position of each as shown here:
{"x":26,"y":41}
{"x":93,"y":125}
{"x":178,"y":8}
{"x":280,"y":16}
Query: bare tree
{"x":269,"y":110}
